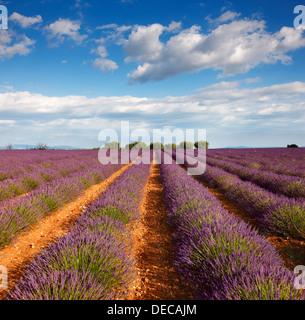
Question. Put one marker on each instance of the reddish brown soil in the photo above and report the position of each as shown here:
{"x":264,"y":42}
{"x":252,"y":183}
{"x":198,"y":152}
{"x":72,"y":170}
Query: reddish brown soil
{"x":292,"y":251}
{"x":17,"y":255}
{"x":154,"y":251}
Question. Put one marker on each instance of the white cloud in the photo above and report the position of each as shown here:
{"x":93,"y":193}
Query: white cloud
{"x":231,"y":48}
{"x":173,"y":27}
{"x":104,"y":65}
{"x":225,"y":109}
{"x":6,"y":88}
{"x":253,"y":80}
{"x":224,"y":102}
{"x":12,"y":44}
{"x":65,"y":28}
{"x":101,"y":51}
{"x":225,"y":17}
{"x":101,"y":63}
{"x":143,"y":43}
{"x":25,"y":22}
{"x":7,"y":122}
{"x":107,"y":26}
{"x":112,"y":33}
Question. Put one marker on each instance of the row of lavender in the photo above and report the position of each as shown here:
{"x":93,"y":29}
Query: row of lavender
{"x":16,"y":163}
{"x":274,"y":213}
{"x":282,"y":161}
{"x":93,"y":261}
{"x":18,"y":215}
{"x":19,"y":175}
{"x":223,"y":257}
{"x":293,"y":187}
{"x":263,"y":155}
{"x":29,"y":181}
{"x":289,"y":169}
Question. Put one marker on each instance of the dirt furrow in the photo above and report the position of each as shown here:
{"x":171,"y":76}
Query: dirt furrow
{"x":154,"y":251}
{"x":17,"y":255}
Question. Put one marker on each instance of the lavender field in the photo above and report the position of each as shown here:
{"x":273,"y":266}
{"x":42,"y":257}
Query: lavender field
{"x":217,"y":254}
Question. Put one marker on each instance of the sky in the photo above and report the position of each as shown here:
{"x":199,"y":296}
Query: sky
{"x":70,"y":69}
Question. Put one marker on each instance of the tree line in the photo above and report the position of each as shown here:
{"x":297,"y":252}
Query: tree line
{"x":114,"y":145}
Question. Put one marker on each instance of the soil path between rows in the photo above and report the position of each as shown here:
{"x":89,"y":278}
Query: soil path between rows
{"x":156,"y":278}
{"x":17,"y":255}
{"x":292,"y":251}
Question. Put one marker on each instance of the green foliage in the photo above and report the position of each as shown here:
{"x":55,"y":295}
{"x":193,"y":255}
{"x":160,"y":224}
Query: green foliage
{"x":85,"y":182}
{"x":289,"y":220}
{"x":292,"y":146}
{"x":137,"y":145}
{"x":201,"y":144}
{"x":46,"y":177}
{"x":16,"y":189}
{"x":186,"y":145}
{"x":113,"y":212}
{"x":170,"y":146}
{"x":2,"y":176}
{"x":29,"y":183}
{"x":113,"y":145}
{"x":156,"y":146}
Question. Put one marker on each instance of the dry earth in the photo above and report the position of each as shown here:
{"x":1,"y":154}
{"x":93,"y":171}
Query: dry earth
{"x":154,"y":251}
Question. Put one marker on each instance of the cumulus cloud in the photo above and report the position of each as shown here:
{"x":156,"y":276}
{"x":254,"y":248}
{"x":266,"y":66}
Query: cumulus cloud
{"x":65,"y":29}
{"x":224,"y":108}
{"x":12,"y":44}
{"x":25,"y":22}
{"x":231,"y":48}
{"x":113,"y":33}
{"x":101,"y":63}
{"x":143,"y":43}
{"x":218,"y":103}
{"x":104,"y":65}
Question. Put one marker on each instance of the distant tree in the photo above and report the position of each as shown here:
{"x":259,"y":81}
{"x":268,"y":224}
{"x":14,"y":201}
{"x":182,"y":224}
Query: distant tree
{"x":113,"y":145}
{"x":186,"y":145}
{"x":156,"y":146}
{"x":137,"y":145}
{"x":41,"y":146}
{"x":292,"y":146}
{"x":171,"y":146}
{"x":201,"y":144}
{"x":9,"y":146}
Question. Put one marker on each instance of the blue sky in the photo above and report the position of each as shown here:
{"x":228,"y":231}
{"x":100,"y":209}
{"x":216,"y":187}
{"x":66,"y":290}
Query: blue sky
{"x":72,"y":68}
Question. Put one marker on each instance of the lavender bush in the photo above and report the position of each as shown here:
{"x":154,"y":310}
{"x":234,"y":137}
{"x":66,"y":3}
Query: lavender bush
{"x":20,"y":213}
{"x":293,"y":187}
{"x":223,"y":257}
{"x":92,"y":261}
{"x":273,"y":212}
